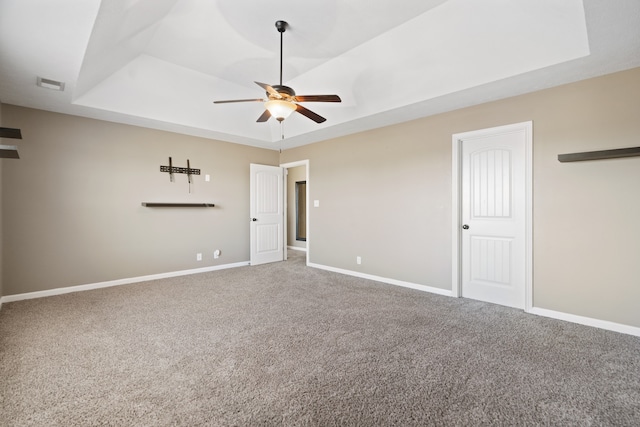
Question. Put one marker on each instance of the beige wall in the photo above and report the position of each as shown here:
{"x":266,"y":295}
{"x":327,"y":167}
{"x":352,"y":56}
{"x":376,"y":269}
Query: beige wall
{"x":385,"y":195}
{"x":72,"y":211}
{"x":298,"y":173}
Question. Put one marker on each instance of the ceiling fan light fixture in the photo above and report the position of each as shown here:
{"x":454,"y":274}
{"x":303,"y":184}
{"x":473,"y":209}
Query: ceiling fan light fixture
{"x":282,"y":100}
{"x":280,"y":109}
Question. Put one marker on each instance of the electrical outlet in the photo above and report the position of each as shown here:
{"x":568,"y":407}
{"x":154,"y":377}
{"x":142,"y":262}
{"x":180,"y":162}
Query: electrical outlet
{"x":358,"y":260}
{"x":216,"y":253}
{"x":198,"y":257}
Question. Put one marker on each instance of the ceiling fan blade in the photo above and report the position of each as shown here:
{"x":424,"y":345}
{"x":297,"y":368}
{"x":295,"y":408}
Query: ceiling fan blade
{"x":269,"y":89}
{"x":264,"y":117}
{"x":238,"y":100}
{"x":317,"y":98}
{"x":306,"y":112}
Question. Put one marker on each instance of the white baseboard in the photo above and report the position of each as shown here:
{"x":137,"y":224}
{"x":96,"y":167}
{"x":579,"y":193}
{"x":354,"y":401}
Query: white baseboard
{"x":78,"y":288}
{"x":395,"y":282}
{"x":296,"y":248}
{"x":588,"y":321}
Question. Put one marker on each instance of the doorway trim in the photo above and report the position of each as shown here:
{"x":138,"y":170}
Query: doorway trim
{"x":456,"y":205}
{"x":286,"y":166}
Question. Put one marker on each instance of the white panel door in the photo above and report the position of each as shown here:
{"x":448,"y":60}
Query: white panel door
{"x":493,"y":207}
{"x":267,"y":214}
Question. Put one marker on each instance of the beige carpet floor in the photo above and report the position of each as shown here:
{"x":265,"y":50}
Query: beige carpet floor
{"x":283,"y":344}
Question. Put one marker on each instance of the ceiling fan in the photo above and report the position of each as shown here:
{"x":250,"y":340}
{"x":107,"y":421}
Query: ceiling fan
{"x":282,"y":100}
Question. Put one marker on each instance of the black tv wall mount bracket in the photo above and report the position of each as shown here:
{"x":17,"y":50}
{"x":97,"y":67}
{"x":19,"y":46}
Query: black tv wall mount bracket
{"x":175,"y":169}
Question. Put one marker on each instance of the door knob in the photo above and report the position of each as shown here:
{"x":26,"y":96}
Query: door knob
{"x":465,"y":227}
{"x":254,"y":219}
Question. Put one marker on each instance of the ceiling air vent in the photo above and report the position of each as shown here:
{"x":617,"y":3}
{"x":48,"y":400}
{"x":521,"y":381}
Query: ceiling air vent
{"x":50,"y":84}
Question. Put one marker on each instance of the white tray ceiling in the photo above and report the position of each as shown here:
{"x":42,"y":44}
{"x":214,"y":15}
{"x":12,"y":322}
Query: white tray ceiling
{"x":161,"y":63}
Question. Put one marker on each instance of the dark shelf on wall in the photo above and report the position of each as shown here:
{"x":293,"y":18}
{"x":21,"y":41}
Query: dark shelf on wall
{"x":9,"y":152}
{"x":177,"y":205}
{"x":10,"y":133}
{"x":599,"y":155}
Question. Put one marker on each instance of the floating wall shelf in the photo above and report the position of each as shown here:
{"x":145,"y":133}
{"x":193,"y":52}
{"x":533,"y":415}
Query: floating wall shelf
{"x":10,"y":133}
{"x":9,"y":151}
{"x":177,"y":205}
{"x":599,"y":155}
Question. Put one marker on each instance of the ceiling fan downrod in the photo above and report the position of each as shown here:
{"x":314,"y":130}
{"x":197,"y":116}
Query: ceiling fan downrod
{"x":282,"y":27}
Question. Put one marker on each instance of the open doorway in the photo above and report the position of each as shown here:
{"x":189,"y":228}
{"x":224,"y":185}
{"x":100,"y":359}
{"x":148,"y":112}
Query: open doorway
{"x":297,"y":213}
{"x":300,"y":216}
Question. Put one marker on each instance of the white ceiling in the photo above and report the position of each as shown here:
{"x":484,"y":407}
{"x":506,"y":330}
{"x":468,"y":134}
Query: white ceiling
{"x":161,"y":63}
